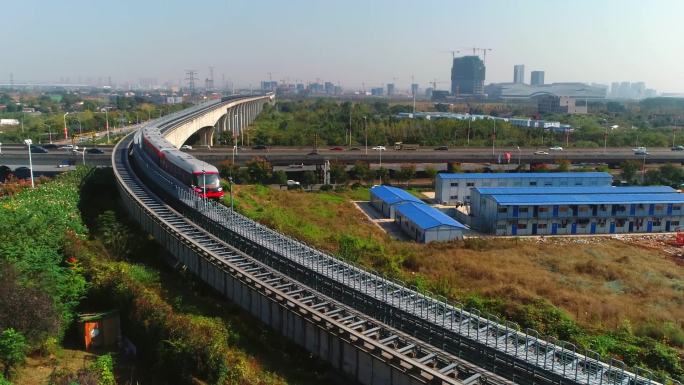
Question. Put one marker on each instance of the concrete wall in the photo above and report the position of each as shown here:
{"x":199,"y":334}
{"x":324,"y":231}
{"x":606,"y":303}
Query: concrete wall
{"x":359,"y":362}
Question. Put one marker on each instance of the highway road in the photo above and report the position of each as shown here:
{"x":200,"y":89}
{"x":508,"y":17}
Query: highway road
{"x":16,"y":154}
{"x":284,"y":156}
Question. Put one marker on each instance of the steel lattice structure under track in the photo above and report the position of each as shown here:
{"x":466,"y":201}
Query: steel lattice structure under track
{"x":431,"y":332}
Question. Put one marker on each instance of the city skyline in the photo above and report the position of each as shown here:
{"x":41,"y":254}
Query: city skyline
{"x":350,"y":43}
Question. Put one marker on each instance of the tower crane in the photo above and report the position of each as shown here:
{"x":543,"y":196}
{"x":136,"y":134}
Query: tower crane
{"x":475,"y":52}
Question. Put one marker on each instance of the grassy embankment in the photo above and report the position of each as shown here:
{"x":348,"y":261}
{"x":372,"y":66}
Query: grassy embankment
{"x":619,"y":299}
{"x":183,"y":331}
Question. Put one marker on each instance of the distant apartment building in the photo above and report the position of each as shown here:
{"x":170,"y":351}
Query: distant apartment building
{"x":390,"y":89}
{"x":519,"y":73}
{"x":537,"y":78}
{"x":414,"y":89}
{"x":268,"y":85}
{"x":627,"y":90}
{"x":467,"y":76}
{"x":428,"y":92}
{"x":552,"y":104}
{"x":329,"y":88}
{"x":377,"y":91}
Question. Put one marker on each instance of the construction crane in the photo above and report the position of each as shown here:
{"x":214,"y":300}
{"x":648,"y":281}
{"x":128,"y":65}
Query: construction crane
{"x":475,"y":52}
{"x":434,"y":83}
{"x":453,"y":53}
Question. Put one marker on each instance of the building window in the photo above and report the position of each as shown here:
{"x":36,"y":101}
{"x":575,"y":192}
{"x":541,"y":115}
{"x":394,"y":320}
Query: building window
{"x":470,"y":184}
{"x":454,"y":184}
{"x":468,"y":197}
{"x":453,"y":197}
{"x":533,"y":183}
{"x":543,"y":209}
{"x":523,"y":210}
{"x":583,"y":209}
{"x":502,"y":210}
{"x":548,"y":184}
{"x":658,"y":207}
{"x":674,"y":223}
{"x":501,"y":227}
{"x":541,"y":225}
{"x":522,"y":226}
{"x":563,"y":209}
{"x":676,"y":208}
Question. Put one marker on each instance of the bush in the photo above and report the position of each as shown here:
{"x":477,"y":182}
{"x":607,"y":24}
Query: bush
{"x":12,"y":350}
{"x":326,"y":187}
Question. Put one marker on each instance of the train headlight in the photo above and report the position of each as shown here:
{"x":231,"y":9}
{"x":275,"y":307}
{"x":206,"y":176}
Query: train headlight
{"x":220,"y":189}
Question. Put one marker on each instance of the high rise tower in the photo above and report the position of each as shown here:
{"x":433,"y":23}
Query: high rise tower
{"x":537,"y":78}
{"x":519,"y":73}
{"x":467,"y":76}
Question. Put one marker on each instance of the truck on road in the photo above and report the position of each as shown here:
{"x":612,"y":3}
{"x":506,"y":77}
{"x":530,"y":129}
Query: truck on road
{"x":405,"y":146}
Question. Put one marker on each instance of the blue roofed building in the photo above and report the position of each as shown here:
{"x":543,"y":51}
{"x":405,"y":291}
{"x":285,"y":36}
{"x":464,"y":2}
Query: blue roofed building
{"x":424,"y":223}
{"x":577,"y":210}
{"x":455,"y":188}
{"x":386,"y":198}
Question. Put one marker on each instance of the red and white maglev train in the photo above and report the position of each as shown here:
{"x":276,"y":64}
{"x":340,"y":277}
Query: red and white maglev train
{"x":201,"y":176}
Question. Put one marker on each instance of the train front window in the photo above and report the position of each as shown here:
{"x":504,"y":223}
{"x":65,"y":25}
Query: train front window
{"x":212,"y":180}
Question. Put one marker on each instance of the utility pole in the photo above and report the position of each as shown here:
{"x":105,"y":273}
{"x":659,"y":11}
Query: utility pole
{"x":673,"y":131}
{"x":365,"y":130}
{"x":493,"y":136}
{"x":350,"y":124}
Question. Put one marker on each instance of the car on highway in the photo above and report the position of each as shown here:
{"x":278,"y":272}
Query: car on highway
{"x":540,"y":152}
{"x":94,"y":150}
{"x":50,"y":146}
{"x":69,"y":147}
{"x":186,"y":147}
{"x":259,"y":147}
{"x":677,"y":148}
{"x":442,"y":148}
{"x":379,"y":148}
{"x":314,"y":152}
{"x":640,"y":151}
{"x":292,"y":183}
{"x":301,"y":165}
{"x":66,"y":163}
{"x":38,"y":149}
{"x":354,"y":149}
{"x":556,"y":148}
{"x":337,"y":149}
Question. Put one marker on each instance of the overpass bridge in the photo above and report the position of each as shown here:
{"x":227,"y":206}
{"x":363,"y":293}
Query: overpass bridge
{"x":373,"y":329}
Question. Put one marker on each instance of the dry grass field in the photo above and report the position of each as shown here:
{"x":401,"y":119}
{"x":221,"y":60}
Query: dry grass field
{"x":588,"y":290}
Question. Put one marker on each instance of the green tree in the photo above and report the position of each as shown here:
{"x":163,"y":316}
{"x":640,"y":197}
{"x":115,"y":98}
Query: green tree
{"x":406,"y":173}
{"x":280,"y":177}
{"x":629,"y":171}
{"x":12,"y":350}
{"x":259,"y":170}
{"x":563,"y":165}
{"x":382,"y":174}
{"x":309,"y":178}
{"x":338,"y":172}
{"x":430,"y":172}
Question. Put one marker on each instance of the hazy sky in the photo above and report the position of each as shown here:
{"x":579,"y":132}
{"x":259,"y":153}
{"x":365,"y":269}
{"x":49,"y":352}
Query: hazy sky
{"x":348,"y":41}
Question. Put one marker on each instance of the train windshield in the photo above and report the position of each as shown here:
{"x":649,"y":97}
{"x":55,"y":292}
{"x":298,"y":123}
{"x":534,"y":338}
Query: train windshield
{"x":212,"y":180}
